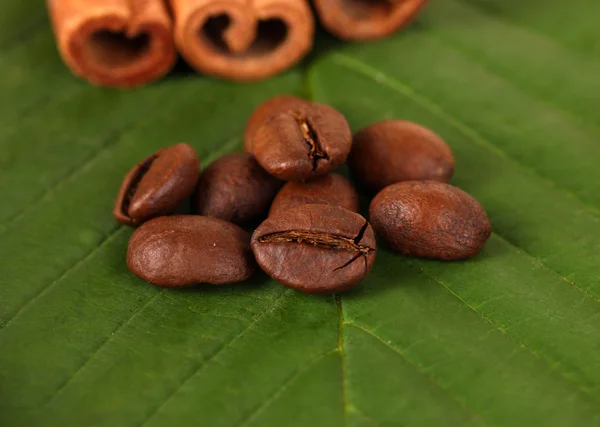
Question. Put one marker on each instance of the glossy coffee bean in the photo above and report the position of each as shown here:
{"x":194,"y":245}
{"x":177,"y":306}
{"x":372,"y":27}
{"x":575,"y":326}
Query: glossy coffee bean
{"x":430,"y":219}
{"x":235,"y":188}
{"x":315,"y":248}
{"x":302,"y":143}
{"x":331,"y":189}
{"x":272,"y":106}
{"x":394,"y":150}
{"x":157,"y":185}
{"x":182,"y":250}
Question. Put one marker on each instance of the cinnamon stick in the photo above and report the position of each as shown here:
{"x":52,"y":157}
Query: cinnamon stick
{"x":116,"y":43}
{"x":366,"y":19}
{"x":242,"y":40}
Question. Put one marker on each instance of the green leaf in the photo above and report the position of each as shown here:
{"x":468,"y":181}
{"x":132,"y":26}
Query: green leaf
{"x":510,"y":338}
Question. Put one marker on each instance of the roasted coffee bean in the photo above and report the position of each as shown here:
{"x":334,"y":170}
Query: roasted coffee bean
{"x":302,"y":143}
{"x":315,"y":248}
{"x":235,"y":188}
{"x":272,"y":106}
{"x":331,"y":189}
{"x":157,"y":185}
{"x":182,"y":250}
{"x":393,"y":150}
{"x":430,"y":219}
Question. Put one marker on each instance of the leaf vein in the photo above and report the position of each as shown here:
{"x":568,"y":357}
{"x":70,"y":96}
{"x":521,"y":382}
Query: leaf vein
{"x":342,"y":351}
{"x":71,"y":174}
{"x":490,"y":68}
{"x":46,"y":289}
{"x":553,"y":367}
{"x":382,"y":79}
{"x":24,"y":115}
{"x":206,"y":362}
{"x":492,"y":12}
{"x":404,"y":89}
{"x":420,"y":370}
{"x":283,"y":387}
{"x":556,"y":273}
{"x":364,"y":416}
{"x":101,"y":346}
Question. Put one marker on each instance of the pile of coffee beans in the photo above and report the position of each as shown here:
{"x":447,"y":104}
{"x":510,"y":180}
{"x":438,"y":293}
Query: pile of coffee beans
{"x":314,"y":240}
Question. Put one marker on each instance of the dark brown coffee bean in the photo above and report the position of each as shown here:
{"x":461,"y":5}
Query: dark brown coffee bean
{"x":235,"y":188}
{"x":157,"y":185}
{"x":430,"y":219}
{"x":272,"y":106}
{"x":331,"y":189}
{"x":182,"y":250}
{"x":303,"y":143}
{"x":393,"y":150}
{"x":315,"y":248}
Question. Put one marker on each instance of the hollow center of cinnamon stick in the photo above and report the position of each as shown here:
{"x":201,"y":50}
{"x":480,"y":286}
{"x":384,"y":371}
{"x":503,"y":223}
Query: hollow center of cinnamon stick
{"x":269,"y":34}
{"x":114,"y":49}
{"x":369,"y":9}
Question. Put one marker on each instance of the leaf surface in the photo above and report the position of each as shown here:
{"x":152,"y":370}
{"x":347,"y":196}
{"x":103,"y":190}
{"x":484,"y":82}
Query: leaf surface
{"x":510,"y":338}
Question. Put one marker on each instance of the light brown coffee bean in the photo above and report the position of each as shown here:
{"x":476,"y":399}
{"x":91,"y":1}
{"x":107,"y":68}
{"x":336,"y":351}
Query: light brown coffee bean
{"x":157,"y":185}
{"x":302,"y":144}
{"x":182,"y":250}
{"x":272,"y":106}
{"x":394,"y":150}
{"x":430,"y":219}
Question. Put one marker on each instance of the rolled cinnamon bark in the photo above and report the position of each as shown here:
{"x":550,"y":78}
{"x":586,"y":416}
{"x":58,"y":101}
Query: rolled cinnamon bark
{"x":242,"y":40}
{"x":366,"y":19}
{"x":116,"y":43}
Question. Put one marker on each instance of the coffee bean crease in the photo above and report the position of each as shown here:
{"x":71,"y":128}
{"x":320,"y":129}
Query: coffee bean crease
{"x":325,"y":241}
{"x":135,"y":182}
{"x":322,"y":240}
{"x":316,"y":152}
